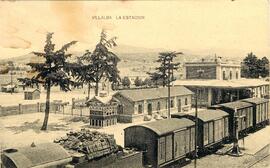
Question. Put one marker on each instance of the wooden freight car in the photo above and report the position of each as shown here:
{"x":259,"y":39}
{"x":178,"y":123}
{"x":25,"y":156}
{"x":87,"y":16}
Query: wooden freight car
{"x":260,"y":111}
{"x":241,"y":111}
{"x":212,"y":127}
{"x":163,"y":141}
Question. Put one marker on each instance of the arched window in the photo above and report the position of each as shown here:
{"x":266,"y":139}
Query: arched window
{"x":186,"y":101}
{"x":230,"y":74}
{"x":140,"y":109}
{"x":224,"y":75}
{"x":236,"y":75}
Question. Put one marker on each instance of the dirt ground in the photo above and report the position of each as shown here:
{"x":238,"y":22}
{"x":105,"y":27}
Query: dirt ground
{"x":21,"y":130}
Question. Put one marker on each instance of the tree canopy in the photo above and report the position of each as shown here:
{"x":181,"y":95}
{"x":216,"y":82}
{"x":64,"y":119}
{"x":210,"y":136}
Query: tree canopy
{"x":53,"y":70}
{"x":253,"y":67}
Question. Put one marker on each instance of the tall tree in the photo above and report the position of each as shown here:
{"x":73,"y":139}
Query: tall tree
{"x":104,"y":62}
{"x":166,"y":65}
{"x":253,"y":67}
{"x":54,"y":70}
{"x":84,"y":72}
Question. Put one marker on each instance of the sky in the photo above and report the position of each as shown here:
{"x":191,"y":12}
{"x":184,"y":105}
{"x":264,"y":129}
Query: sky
{"x":225,"y":27}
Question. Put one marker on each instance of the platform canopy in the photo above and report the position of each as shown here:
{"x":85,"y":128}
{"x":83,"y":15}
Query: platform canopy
{"x":237,"y":83}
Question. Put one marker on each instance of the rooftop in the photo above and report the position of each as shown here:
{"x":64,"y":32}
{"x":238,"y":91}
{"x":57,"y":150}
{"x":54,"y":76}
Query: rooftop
{"x":153,"y":93}
{"x":236,"y":83}
{"x":162,"y":127}
{"x":236,"y":105}
{"x":256,"y":100}
{"x":36,"y":156}
{"x":204,"y":115}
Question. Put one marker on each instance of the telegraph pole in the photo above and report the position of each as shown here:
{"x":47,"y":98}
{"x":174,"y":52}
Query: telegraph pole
{"x":169,"y":88}
{"x":196,"y":126}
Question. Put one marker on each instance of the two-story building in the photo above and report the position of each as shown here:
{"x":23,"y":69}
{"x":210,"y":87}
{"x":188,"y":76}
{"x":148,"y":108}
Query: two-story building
{"x":218,"y":82}
{"x":137,"y":103}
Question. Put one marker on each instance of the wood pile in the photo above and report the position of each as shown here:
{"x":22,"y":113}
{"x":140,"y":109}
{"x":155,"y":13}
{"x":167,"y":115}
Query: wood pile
{"x":91,"y":143}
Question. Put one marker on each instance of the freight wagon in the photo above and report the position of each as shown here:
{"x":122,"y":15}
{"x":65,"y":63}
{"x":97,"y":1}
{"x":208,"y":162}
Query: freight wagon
{"x":162,"y":142}
{"x":241,"y":111}
{"x":260,"y":111}
{"x":212,"y":128}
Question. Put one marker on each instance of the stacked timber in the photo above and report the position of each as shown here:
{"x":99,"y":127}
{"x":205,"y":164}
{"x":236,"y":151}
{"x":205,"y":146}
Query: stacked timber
{"x":92,"y":144}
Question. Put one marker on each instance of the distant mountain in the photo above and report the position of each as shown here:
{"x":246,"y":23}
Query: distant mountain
{"x":129,"y":55}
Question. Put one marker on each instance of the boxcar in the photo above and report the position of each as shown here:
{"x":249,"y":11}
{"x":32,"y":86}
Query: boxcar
{"x":260,"y":111}
{"x":212,"y":127}
{"x":163,"y":141}
{"x":241,"y":110}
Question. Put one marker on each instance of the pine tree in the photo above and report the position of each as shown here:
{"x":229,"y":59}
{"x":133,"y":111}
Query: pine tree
{"x":166,"y":68}
{"x":104,"y":62}
{"x":54,"y":70}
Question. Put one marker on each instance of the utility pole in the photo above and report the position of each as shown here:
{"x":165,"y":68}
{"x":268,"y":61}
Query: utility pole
{"x":196,"y":126}
{"x":169,"y":88}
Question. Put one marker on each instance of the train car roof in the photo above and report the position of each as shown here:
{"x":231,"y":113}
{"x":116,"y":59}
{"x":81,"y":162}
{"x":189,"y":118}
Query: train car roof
{"x":256,"y":100}
{"x":165,"y":126}
{"x":236,"y":105}
{"x":204,"y":115}
{"x":36,"y":155}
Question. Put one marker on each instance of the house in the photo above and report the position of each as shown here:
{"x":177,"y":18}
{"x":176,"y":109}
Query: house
{"x":103,"y":111}
{"x":136,"y":103}
{"x":31,"y":94}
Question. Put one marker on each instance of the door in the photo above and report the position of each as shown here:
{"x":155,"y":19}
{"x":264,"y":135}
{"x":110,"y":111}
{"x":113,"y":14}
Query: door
{"x":179,"y":105}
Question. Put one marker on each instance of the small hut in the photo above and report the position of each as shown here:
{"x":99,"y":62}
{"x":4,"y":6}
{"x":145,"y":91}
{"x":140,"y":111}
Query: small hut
{"x":32,"y":94}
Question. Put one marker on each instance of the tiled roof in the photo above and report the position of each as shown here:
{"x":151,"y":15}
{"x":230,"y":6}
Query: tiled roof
{"x":153,"y":93}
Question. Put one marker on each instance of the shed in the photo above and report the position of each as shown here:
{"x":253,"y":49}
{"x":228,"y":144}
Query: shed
{"x":36,"y":156}
{"x":32,"y":94}
{"x":212,"y":126}
{"x":164,"y":141}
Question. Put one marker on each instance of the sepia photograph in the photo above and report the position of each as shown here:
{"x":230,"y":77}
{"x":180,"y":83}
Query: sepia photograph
{"x":134,"y":84}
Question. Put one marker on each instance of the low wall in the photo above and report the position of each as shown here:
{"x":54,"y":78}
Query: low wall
{"x":26,"y":108}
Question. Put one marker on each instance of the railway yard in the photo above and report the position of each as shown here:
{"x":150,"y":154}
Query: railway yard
{"x":21,"y":130}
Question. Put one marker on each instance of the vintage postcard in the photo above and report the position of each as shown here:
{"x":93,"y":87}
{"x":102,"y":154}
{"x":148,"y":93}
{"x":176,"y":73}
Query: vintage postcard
{"x":135,"y":84}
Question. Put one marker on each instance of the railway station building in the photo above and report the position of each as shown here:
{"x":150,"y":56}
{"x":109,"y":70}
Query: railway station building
{"x":218,"y":82}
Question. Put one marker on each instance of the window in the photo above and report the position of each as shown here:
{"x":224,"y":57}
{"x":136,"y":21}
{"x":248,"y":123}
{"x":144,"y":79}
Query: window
{"x":236,"y":76}
{"x":140,"y":109}
{"x":186,"y":101}
{"x":172,"y":103}
{"x":158,"y":106}
{"x":230,"y":74}
{"x":224,"y":75}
